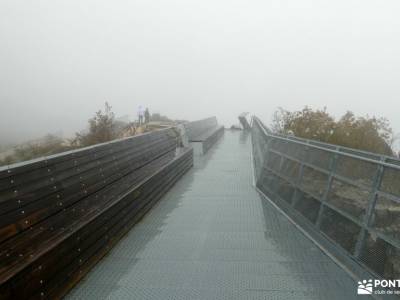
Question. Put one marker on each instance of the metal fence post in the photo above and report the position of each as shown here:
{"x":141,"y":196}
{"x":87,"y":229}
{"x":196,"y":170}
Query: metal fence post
{"x":369,"y":210}
{"x":299,"y":177}
{"x":332,"y":170}
{"x":262,"y":151}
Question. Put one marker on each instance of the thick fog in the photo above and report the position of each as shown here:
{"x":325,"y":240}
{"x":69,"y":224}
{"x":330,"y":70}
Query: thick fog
{"x":61,"y":60}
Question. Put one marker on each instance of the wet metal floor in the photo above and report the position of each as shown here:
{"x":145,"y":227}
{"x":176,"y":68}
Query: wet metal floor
{"x":213,"y":237}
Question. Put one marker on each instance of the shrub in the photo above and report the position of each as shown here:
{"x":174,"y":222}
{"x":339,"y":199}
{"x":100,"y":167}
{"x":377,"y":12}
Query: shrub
{"x":102,"y":128}
{"x":363,"y":133}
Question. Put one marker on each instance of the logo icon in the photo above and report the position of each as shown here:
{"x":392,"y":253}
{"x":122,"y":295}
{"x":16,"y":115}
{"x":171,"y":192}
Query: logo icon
{"x":365,"y":287}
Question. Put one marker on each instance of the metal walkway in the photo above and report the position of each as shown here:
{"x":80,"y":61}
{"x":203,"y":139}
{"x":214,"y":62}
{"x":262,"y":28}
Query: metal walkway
{"x":213,"y":237}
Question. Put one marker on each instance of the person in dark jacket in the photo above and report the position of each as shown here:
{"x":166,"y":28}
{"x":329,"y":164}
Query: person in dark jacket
{"x":146,"y":116}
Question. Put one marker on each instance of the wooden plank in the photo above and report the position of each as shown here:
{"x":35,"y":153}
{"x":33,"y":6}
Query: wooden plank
{"x":124,"y":209}
{"x":86,"y":199}
{"x":58,"y":188}
{"x":113,"y":235}
{"x":21,"y":248}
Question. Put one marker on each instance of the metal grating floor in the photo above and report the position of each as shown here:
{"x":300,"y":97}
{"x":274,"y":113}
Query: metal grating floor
{"x":213,"y":237}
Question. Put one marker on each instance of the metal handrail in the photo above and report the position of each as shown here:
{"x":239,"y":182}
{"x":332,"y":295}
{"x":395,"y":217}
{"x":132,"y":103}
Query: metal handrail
{"x":378,"y":162}
{"x":363,"y":218}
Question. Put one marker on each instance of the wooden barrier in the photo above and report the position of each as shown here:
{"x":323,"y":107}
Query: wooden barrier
{"x":61,"y":214}
{"x":206,"y":132}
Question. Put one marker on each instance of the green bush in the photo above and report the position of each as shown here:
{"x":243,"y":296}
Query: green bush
{"x":102,"y":128}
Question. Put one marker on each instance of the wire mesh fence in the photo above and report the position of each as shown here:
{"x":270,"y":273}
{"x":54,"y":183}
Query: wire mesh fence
{"x":350,"y":197}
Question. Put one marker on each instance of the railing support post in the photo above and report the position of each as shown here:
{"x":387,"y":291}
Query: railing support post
{"x":332,"y":170}
{"x":370,"y":210}
{"x":299,"y":177}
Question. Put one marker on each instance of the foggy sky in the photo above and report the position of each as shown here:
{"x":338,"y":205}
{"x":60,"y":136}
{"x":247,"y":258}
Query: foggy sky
{"x":61,"y":60}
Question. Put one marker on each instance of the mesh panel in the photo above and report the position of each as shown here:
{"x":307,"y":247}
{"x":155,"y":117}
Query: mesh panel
{"x":279,"y":145}
{"x":259,"y":149}
{"x":362,"y":171}
{"x":307,"y":206}
{"x":381,"y":257}
{"x":319,"y":158}
{"x":387,"y":217}
{"x":354,"y":183}
{"x":290,"y":169}
{"x":264,"y":178}
{"x":282,"y":146}
{"x":264,"y":183}
{"x":274,"y":161}
{"x":297,"y":151}
{"x":267,"y":183}
{"x":340,"y":229}
{"x":273,"y":185}
{"x":391,"y":181}
{"x":274,"y":144}
{"x":314,"y":182}
{"x":284,"y":189}
{"x":348,"y":198}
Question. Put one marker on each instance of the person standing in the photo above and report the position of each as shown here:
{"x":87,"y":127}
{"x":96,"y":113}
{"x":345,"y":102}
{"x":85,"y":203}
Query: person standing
{"x":146,"y":115}
{"x":140,"y":115}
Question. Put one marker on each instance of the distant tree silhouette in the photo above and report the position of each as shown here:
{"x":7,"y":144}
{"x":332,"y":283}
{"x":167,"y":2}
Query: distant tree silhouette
{"x":363,"y":133}
{"x":156,"y":117}
{"x":147,"y":116}
{"x":306,"y":123}
{"x":102,"y":128}
{"x":366,"y":133}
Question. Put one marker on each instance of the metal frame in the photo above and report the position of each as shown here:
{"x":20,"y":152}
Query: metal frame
{"x":380,"y":159}
{"x":374,"y":188}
